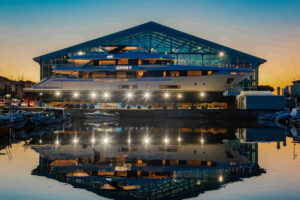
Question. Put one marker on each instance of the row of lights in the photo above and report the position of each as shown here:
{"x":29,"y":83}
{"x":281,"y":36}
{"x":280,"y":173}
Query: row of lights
{"x":129,"y":95}
{"x":106,"y":140}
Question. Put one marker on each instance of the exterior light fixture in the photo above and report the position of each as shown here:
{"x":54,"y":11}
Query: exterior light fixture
{"x":75,"y":94}
{"x":93,"y":95}
{"x":146,"y":140}
{"x":147,"y":95}
{"x":40,"y":141}
{"x":179,"y":139}
{"x":129,"y":141}
{"x":80,"y":53}
{"x":202,"y":94}
{"x":75,"y":140}
{"x":220,"y":179}
{"x":221,"y":54}
{"x":57,"y":142}
{"x":166,"y":95}
{"x":166,"y":140}
{"x":179,"y":96}
{"x":105,"y":140}
{"x":202,"y":141}
{"x":106,"y":95}
{"x":57,"y":93}
{"x":129,"y":95}
{"x":93,"y":140}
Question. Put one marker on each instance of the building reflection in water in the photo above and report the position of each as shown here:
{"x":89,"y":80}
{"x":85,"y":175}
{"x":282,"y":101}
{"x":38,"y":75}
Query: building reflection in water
{"x":152,"y":161}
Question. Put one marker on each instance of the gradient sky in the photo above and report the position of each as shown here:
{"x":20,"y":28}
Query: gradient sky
{"x":268,"y":29}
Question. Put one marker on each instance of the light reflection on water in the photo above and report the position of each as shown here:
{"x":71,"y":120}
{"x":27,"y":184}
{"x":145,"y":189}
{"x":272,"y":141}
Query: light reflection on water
{"x":158,"y":159}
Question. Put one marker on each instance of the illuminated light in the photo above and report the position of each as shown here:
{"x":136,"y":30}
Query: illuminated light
{"x":57,"y":93}
{"x":146,"y":140}
{"x":129,"y":95}
{"x":93,"y":94}
{"x":202,"y":94}
{"x":75,"y":94}
{"x":80,"y":53}
{"x":40,"y":141}
{"x":202,"y":141}
{"x":105,"y":140}
{"x":220,"y":178}
{"x":41,"y":94}
{"x":129,"y":141}
{"x":106,"y":95}
{"x":147,"y":95}
{"x":221,"y":54}
{"x":57,"y":142}
{"x":179,"y":139}
{"x":166,"y":95}
{"x":179,"y":96}
{"x":166,"y":140}
{"x":93,"y":140}
{"x":75,"y":140}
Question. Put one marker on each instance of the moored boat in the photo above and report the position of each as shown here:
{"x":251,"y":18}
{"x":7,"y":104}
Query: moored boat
{"x":102,"y":116}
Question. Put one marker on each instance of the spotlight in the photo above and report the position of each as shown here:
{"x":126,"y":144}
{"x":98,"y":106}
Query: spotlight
{"x":221,"y":54}
{"x":93,"y":140}
{"x":129,"y":95}
{"x":57,"y":93}
{"x":220,"y":178}
{"x":40,"y":141}
{"x":105,"y":140}
{"x":147,"y":95}
{"x":75,"y":140}
{"x":129,"y":141}
{"x":106,"y":95}
{"x":166,"y":140}
{"x":179,"y":139}
{"x":166,"y":95}
{"x":93,"y":95}
{"x":57,"y":142}
{"x":146,"y":140}
{"x":75,"y":94}
{"x":202,"y":141}
{"x":179,"y":96}
{"x":202,"y":94}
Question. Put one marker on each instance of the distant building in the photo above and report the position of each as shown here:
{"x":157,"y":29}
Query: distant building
{"x":295,"y":90}
{"x":14,"y":89}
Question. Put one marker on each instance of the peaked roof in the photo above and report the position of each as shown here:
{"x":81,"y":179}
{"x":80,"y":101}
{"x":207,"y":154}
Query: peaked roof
{"x":149,"y":26}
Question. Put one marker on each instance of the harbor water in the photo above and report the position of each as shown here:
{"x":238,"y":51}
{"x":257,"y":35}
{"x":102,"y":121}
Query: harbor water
{"x":150,"y":159}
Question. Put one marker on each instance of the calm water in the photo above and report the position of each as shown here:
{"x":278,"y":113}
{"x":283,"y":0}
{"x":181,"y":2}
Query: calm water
{"x":158,"y":159}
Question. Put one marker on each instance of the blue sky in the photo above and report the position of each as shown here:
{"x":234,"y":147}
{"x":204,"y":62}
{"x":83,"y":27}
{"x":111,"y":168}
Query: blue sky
{"x":268,"y":29}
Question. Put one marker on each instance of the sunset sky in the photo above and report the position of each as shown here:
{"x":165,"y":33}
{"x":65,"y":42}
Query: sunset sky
{"x":267,"y":29}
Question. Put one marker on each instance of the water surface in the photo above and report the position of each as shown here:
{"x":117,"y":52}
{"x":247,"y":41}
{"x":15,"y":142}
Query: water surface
{"x":156,"y":159}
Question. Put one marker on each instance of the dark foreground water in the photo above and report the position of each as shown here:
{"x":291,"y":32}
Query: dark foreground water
{"x":150,"y":159}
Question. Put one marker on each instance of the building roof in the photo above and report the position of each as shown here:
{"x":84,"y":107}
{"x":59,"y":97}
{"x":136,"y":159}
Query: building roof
{"x":182,"y":38}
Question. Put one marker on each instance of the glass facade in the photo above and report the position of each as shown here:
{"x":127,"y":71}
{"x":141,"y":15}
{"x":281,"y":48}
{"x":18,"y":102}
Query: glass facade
{"x":153,"y":37}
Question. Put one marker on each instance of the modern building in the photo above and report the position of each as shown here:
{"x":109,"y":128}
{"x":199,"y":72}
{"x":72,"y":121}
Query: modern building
{"x":156,"y":38}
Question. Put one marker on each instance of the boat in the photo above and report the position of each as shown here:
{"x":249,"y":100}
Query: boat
{"x":43,"y":118}
{"x":101,"y":116}
{"x":17,"y":120}
{"x":4,"y":120}
{"x":120,"y":70}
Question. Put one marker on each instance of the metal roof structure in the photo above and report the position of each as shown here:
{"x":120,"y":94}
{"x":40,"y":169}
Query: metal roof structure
{"x":158,"y":38}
